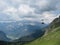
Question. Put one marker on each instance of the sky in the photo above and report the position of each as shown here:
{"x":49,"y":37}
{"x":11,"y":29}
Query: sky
{"x":29,"y":10}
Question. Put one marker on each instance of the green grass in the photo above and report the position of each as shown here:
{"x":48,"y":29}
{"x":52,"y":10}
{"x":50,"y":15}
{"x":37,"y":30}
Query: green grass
{"x":52,"y":38}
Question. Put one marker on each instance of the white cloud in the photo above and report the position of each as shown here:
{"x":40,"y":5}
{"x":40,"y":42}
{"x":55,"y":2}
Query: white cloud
{"x":11,"y":37}
{"x":48,"y":17}
{"x":10,"y":10}
{"x":3,"y":5}
{"x":25,"y":9}
{"x":42,"y":3}
{"x":30,"y":19}
{"x":16,"y":13}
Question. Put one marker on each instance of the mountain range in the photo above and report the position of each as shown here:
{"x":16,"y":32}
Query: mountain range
{"x":20,"y":29}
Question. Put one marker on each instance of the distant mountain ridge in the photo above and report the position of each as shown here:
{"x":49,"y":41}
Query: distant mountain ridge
{"x":20,"y":29}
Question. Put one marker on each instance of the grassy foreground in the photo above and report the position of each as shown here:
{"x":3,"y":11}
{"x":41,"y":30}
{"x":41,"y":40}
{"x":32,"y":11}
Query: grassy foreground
{"x":52,"y":38}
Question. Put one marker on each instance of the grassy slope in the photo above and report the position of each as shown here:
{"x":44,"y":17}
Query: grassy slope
{"x":52,"y":38}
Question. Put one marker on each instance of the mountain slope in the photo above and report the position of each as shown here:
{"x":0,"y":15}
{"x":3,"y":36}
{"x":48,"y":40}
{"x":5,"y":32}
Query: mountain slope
{"x":52,"y":37}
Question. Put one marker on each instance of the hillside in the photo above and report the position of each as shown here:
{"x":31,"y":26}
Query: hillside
{"x":51,"y":38}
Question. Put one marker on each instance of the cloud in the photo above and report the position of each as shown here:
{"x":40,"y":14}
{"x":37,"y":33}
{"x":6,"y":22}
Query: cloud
{"x":58,"y":6}
{"x":10,"y":10}
{"x":17,"y":13}
{"x":3,"y":5}
{"x":46,"y":5}
{"x":48,"y":17}
{"x":42,"y":3}
{"x":31,"y":10}
{"x":12,"y":13}
{"x":25,"y":9}
{"x":11,"y":37}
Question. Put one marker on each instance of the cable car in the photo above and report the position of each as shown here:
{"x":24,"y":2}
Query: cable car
{"x":42,"y":21}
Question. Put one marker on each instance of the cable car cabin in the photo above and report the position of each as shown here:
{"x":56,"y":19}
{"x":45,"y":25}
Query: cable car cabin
{"x":43,"y":23}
